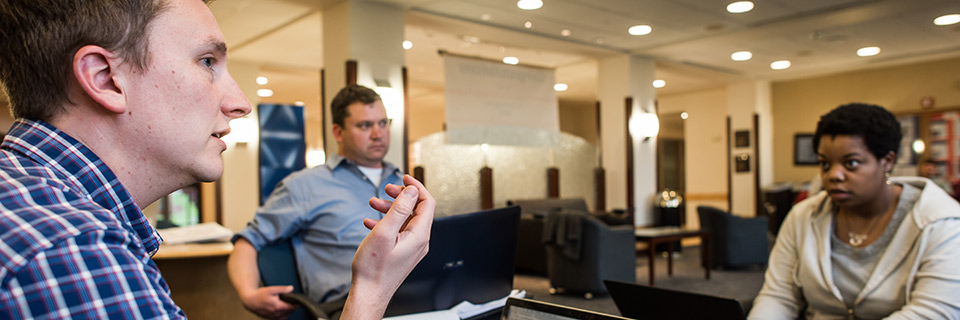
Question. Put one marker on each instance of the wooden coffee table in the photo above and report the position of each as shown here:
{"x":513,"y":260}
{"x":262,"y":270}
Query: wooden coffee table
{"x":657,"y":235}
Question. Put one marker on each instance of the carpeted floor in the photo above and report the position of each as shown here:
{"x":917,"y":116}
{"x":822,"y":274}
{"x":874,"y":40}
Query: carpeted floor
{"x":742,"y":285}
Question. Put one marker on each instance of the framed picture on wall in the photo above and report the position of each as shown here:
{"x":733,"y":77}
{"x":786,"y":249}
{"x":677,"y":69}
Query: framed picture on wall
{"x":742,"y":139}
{"x":803,"y":153}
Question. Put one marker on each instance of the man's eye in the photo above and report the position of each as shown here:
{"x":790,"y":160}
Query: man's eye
{"x":383,"y":123}
{"x":364,"y":125}
{"x":207,"y":62}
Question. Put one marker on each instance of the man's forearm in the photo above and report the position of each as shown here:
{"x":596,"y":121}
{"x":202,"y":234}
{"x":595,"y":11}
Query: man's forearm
{"x":242,"y":268}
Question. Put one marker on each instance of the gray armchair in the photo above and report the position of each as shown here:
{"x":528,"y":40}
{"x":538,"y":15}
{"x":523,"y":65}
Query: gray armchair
{"x":605,"y":253}
{"x":735,"y":241}
{"x":531,"y":252}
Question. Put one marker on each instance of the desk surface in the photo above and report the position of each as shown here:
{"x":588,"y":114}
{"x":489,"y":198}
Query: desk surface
{"x":665,"y":231}
{"x":193,"y":250}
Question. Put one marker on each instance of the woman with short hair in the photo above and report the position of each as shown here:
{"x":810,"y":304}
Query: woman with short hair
{"x":868,"y":246}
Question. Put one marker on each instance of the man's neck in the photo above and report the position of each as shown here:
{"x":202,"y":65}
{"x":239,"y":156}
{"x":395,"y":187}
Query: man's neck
{"x":140,"y":177}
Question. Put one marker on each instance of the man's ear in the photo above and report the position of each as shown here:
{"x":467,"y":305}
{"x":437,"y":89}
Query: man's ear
{"x":95,"y":70}
{"x":338,"y":132}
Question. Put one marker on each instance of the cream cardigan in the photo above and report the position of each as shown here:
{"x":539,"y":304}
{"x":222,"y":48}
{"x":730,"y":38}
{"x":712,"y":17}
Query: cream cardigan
{"x":917,"y":277}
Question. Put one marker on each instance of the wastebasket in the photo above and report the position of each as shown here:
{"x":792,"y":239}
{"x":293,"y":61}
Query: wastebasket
{"x":669,"y":213}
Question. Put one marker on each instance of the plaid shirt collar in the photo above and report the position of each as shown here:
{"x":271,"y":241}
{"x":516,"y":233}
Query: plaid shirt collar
{"x":83,"y":170}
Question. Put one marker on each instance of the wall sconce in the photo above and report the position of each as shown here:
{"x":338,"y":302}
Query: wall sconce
{"x":919,"y":146}
{"x":645,"y":125}
{"x":315,"y":157}
{"x":242,"y":131}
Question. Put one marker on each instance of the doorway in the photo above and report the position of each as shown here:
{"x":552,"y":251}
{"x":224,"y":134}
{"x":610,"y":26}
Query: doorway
{"x":670,"y":155}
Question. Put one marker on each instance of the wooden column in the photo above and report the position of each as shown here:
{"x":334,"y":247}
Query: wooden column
{"x":729,"y":170}
{"x":351,"y":72}
{"x":486,"y":188}
{"x":600,"y":180}
{"x":553,"y":182}
{"x":599,"y":174}
{"x":406,"y":120}
{"x":629,"y":151}
{"x":756,"y":168}
{"x":419,"y":174}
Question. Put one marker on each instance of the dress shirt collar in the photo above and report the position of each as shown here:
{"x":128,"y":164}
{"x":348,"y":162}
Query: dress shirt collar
{"x":336,"y":160}
{"x":83,"y":170}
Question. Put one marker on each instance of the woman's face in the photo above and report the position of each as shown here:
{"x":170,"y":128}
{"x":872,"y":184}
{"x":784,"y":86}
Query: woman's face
{"x":852,"y":175}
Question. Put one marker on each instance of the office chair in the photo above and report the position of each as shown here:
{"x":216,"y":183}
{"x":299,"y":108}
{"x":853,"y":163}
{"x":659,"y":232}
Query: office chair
{"x":278,"y":267}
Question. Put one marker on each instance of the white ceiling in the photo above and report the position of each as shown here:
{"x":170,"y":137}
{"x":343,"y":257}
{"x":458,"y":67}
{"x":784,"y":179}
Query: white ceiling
{"x":691,"y":40}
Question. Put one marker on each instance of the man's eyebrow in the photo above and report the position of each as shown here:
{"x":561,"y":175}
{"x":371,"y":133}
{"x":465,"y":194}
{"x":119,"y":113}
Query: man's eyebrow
{"x":218,"y":46}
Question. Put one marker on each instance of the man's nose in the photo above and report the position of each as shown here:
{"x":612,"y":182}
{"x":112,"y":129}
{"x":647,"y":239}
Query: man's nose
{"x":234,"y":103}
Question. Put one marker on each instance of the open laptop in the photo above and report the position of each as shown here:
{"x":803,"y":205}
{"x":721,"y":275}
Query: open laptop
{"x":527,"y":309}
{"x":471,"y":258}
{"x":643,"y":302}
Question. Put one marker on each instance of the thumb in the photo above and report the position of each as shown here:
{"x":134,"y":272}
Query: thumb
{"x":273,"y":290}
{"x":401,"y":209}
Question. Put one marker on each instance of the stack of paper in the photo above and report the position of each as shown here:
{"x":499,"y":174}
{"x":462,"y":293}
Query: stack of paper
{"x":204,"y":232}
{"x":467,"y":310}
{"x":464,"y":310}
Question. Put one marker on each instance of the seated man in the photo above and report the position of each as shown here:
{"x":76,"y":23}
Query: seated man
{"x":119,"y":103}
{"x":324,"y":206}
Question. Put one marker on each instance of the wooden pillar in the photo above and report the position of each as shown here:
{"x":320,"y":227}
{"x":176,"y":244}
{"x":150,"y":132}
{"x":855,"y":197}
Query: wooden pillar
{"x":419,"y":175}
{"x":600,"y":181}
{"x":406,"y":121}
{"x":351,"y":72}
{"x":599,"y":174}
{"x":630,"y":182}
{"x":486,"y":188}
{"x":553,"y":182}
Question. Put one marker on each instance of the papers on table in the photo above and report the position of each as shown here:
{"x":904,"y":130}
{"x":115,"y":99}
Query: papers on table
{"x":204,"y":232}
{"x":464,"y":310}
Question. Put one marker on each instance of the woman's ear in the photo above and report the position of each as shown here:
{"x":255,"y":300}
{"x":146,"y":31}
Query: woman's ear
{"x":888,"y":161}
{"x":95,"y":70}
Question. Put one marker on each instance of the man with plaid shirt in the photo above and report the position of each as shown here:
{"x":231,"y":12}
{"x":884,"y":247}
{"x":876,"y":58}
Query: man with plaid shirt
{"x":119,"y":103}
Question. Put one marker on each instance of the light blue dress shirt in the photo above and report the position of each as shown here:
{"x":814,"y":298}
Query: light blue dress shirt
{"x":322,"y":210}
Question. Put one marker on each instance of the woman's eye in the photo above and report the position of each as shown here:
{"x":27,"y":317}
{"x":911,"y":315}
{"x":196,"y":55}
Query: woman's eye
{"x":853,"y":163}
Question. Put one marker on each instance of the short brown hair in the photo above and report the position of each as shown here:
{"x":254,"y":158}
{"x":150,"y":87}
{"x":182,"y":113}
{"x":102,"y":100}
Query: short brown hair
{"x":40,"y":37}
{"x":340,"y":106}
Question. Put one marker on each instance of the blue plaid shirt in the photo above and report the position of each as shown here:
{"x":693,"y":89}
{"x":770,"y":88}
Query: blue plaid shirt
{"x":73,"y":244}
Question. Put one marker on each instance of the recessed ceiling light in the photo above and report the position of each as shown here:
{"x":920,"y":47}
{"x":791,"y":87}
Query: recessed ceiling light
{"x":684,"y":115}
{"x":640,"y":30}
{"x":741,"y":56}
{"x":659,"y":83}
{"x":511,"y":60}
{"x":528,"y":24}
{"x":529,"y":4}
{"x":299,"y":103}
{"x":780,"y":64}
{"x":264,"y":93}
{"x":261,"y":80}
{"x":407,"y":44}
{"x":947,"y":19}
{"x":560,"y":87}
{"x":740,"y":7}
{"x":485,"y":16}
{"x":565,"y":32}
{"x":868,"y":51}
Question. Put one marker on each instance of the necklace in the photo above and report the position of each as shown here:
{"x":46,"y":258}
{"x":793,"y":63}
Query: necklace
{"x":857,"y":239}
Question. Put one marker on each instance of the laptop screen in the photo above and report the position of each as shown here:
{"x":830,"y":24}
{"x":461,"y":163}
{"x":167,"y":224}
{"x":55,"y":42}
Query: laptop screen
{"x":526,"y":309}
{"x":643,"y":302}
{"x":471,"y":258}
